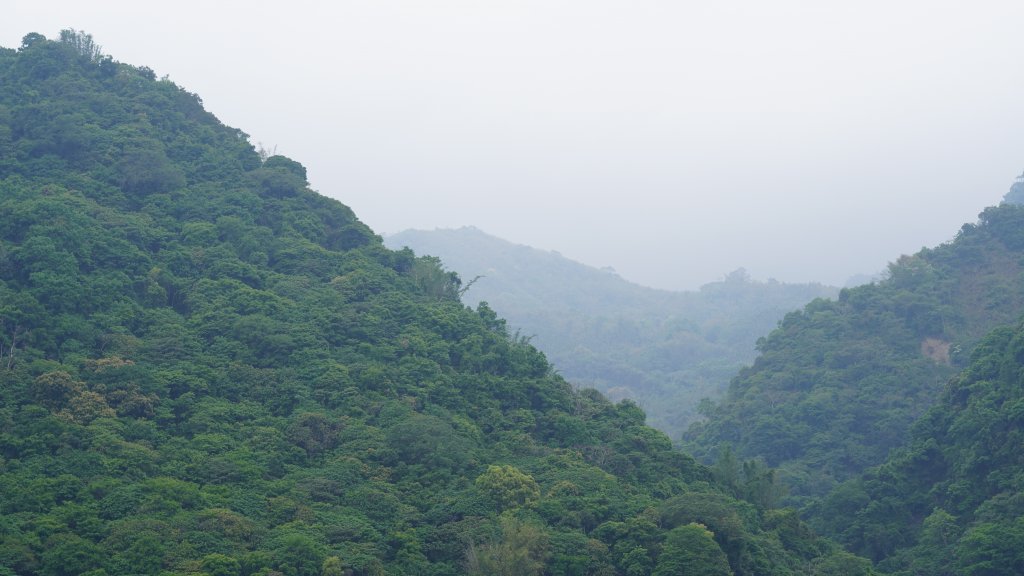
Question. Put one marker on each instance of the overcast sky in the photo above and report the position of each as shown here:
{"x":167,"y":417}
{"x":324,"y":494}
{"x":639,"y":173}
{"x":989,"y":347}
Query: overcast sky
{"x":674,"y":141}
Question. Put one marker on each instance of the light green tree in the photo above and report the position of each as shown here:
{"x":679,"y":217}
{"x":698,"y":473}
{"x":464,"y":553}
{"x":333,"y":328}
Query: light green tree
{"x":691,"y":550}
{"x":332,"y":567}
{"x":509,"y":486}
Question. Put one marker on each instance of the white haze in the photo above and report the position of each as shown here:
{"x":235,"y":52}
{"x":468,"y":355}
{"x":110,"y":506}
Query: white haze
{"x":674,"y":141}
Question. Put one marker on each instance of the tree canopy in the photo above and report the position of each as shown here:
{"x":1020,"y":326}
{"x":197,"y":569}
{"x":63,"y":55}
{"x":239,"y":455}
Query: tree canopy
{"x":949,"y":502}
{"x":208,"y":368}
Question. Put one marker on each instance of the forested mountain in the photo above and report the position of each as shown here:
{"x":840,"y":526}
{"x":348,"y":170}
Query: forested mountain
{"x":838,"y":384}
{"x":665,"y":350}
{"x":952,"y":502}
{"x":208,"y":368}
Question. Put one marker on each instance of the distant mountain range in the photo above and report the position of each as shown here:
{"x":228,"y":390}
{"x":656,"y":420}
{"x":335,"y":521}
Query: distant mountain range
{"x":666,"y":350}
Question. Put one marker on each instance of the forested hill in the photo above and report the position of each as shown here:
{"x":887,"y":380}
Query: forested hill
{"x":952,"y":501}
{"x":665,"y":350}
{"x":838,"y":384}
{"x":208,"y":368}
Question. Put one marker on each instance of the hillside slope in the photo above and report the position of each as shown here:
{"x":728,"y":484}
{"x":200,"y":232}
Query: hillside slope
{"x":664,"y":350}
{"x":951,"y":501}
{"x":208,"y":368}
{"x":838,"y":384}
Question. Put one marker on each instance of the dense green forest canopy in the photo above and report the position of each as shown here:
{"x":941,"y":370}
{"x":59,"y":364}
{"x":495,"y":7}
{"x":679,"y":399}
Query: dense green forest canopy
{"x":208,"y":368}
{"x":664,"y":350}
{"x":838,"y":384}
{"x":952,"y":500}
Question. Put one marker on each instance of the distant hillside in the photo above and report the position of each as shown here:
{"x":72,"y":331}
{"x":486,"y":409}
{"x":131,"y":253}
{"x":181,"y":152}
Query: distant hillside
{"x":666,"y":350}
{"x":838,"y":384}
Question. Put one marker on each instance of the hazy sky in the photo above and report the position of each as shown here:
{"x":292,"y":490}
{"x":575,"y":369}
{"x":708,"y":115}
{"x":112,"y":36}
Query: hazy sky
{"x":674,"y":141}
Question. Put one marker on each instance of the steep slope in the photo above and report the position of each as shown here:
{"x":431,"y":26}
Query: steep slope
{"x":664,"y":350}
{"x":838,"y":384}
{"x":207,"y":368}
{"x":951,"y":501}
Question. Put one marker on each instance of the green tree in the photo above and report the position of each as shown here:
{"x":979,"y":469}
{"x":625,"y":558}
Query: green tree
{"x":520,"y":550}
{"x":636,"y":562}
{"x":221,"y":565}
{"x":934,"y":551}
{"x":54,"y":390}
{"x":31,"y":39}
{"x":298,"y":555}
{"x":70,"y":555}
{"x":992,"y":549}
{"x":332,"y":567}
{"x":691,"y":549}
{"x":144,"y":556}
{"x":509,"y":486}
{"x":82,"y":43}
{"x":762,"y":486}
{"x":727,"y":470}
{"x":842,"y":563}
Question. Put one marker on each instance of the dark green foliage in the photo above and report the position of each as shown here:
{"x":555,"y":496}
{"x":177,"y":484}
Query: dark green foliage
{"x":206,"y":367}
{"x":838,"y":384}
{"x":949,"y":502}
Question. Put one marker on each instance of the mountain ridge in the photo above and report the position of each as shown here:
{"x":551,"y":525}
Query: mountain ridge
{"x":839,"y":383}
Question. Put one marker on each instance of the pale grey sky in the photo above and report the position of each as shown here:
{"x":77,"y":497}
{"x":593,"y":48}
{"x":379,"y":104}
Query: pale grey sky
{"x":674,"y":141}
